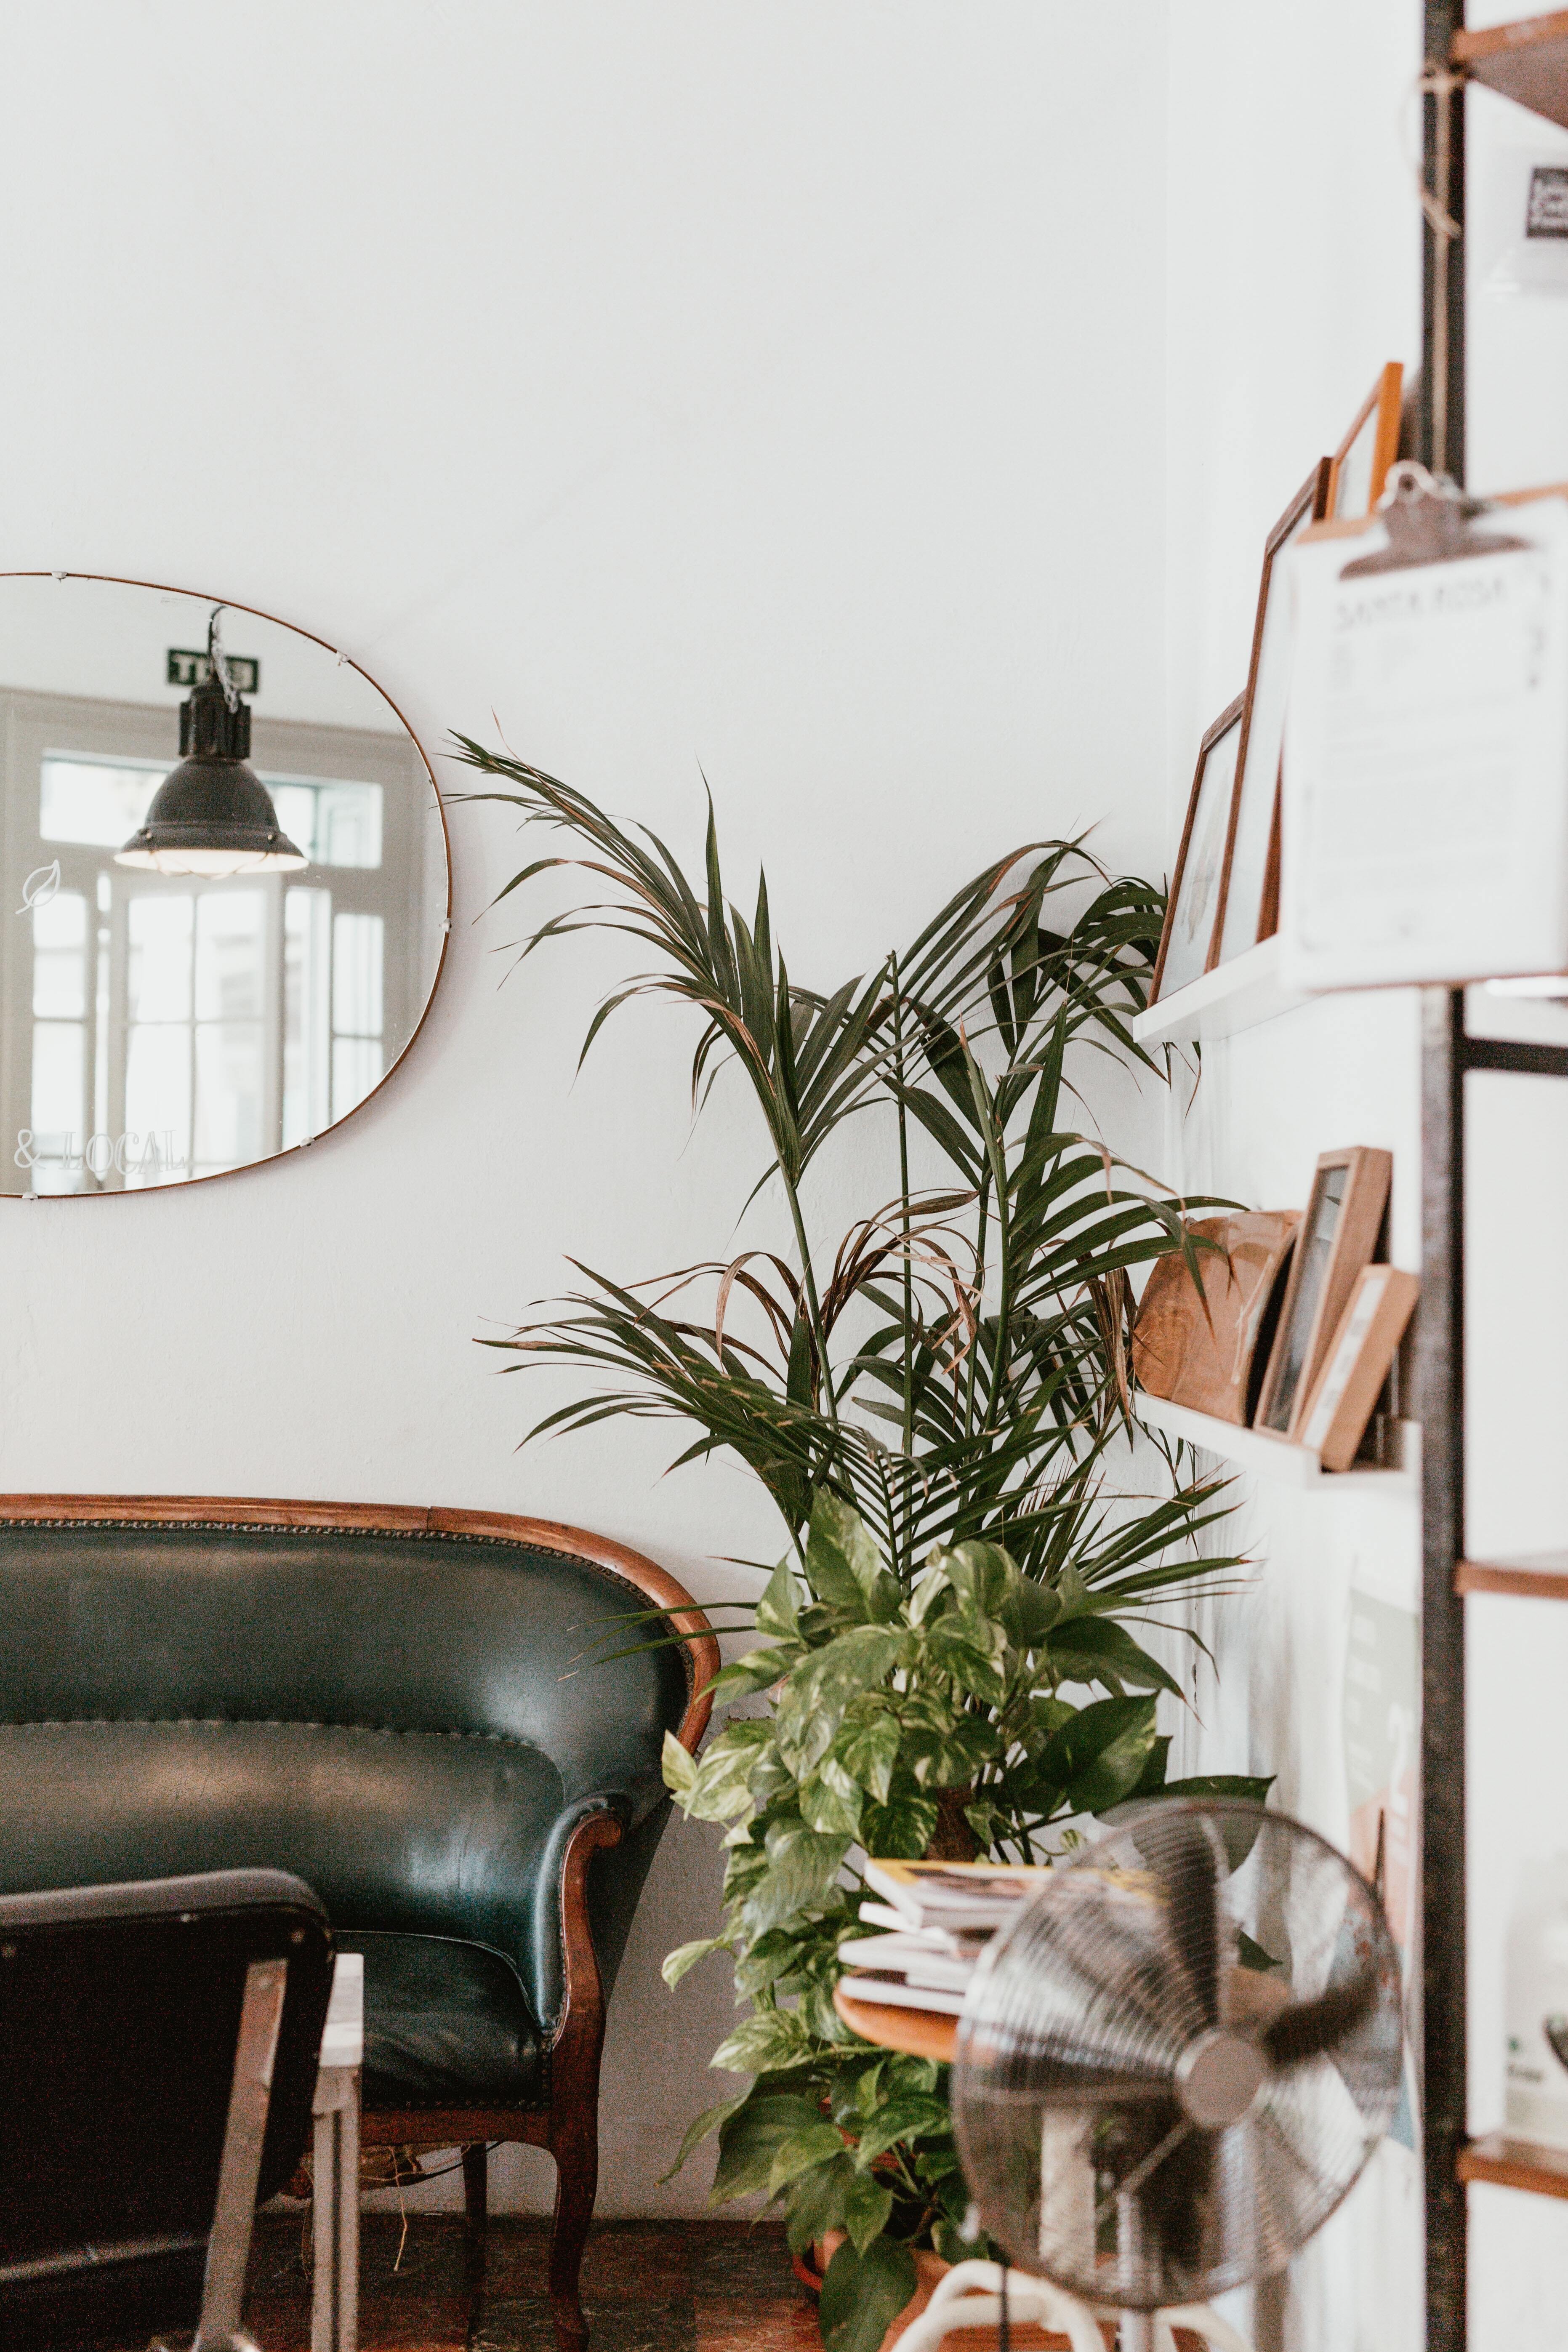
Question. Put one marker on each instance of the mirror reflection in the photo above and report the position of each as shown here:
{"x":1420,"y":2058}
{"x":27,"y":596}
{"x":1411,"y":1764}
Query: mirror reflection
{"x":223,"y":887}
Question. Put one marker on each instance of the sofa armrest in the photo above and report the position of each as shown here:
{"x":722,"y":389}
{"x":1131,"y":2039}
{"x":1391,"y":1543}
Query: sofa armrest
{"x":561,"y":1966}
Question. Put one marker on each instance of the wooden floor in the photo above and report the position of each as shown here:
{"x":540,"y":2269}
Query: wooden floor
{"x":647,"y":2286}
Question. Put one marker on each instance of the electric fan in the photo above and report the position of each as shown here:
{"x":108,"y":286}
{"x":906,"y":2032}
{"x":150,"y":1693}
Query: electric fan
{"x":1175,"y":2063}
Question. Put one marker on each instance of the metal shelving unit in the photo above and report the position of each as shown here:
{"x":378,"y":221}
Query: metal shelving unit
{"x":1526,"y":61}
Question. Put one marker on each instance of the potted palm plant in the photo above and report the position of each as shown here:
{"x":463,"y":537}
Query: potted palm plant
{"x":938,"y":1406}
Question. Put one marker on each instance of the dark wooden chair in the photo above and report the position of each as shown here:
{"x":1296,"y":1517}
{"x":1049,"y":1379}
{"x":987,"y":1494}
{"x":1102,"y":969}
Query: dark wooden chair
{"x":158,"y":2047}
{"x":447,"y":1723}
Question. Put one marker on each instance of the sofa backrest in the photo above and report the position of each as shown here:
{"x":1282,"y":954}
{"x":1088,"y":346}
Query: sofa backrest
{"x":397,"y":1704}
{"x":377,"y":1628}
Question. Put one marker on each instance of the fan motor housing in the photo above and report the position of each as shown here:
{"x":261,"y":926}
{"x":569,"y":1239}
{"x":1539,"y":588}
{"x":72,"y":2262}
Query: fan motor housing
{"x":1218,"y":2076}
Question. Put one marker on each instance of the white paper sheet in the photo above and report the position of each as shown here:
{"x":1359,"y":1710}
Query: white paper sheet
{"x":1425,"y":792}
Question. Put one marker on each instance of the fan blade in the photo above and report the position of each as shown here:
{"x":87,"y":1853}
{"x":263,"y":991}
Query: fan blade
{"x":1164,"y":2171}
{"x":1312,"y":2029}
{"x":1189,"y":1856}
{"x":1051,"y":2080}
{"x":1176,"y":2199}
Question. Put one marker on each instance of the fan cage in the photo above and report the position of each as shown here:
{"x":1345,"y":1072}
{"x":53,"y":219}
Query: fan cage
{"x":1196,"y":1930}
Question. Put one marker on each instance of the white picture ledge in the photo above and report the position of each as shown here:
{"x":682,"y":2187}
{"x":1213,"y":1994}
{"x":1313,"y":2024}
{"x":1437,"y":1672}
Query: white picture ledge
{"x":1236,"y":995}
{"x":1271,"y":1457}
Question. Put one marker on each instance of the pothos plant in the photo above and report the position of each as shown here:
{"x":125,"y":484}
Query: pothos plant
{"x":886,"y":1696}
{"x":940,"y":1408}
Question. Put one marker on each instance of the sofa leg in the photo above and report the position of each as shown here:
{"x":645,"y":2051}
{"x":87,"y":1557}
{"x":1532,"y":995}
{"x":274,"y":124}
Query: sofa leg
{"x":476,"y":2181}
{"x":576,"y":2154}
{"x":476,"y":2172}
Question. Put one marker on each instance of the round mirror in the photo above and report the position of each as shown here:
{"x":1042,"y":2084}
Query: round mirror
{"x":224,"y":899}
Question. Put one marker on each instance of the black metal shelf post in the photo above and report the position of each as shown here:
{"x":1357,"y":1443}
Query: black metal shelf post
{"x":1439,"y":1382}
{"x":1440,"y":1365}
{"x":1448,"y":1056}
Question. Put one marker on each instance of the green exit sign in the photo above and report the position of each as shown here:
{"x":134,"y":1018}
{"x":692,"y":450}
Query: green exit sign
{"x":189,"y":668}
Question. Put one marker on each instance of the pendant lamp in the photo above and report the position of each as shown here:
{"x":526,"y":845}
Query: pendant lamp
{"x":213,"y":815}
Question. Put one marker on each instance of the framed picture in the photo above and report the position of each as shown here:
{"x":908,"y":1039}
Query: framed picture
{"x":1356,"y":1361}
{"x":1249,"y":883}
{"x":1335,"y":1240}
{"x":1198,"y":1342}
{"x":1362,"y":461}
{"x":1195,"y":886}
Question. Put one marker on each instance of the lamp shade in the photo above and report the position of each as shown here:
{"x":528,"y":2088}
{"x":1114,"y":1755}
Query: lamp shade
{"x":211,"y":814}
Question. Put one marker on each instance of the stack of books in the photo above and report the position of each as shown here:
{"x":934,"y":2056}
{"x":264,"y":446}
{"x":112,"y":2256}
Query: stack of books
{"x":938,"y":1916}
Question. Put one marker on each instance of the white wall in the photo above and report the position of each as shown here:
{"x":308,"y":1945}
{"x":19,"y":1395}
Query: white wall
{"x":773,"y":387}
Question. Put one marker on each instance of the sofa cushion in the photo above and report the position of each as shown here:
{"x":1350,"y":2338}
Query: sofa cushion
{"x":445,"y":2025}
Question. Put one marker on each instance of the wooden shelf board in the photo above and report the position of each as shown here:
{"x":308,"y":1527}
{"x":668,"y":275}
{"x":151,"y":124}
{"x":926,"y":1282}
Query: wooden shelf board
{"x":1516,"y":2164}
{"x":1527,"y":61}
{"x":1235,"y":995}
{"x":1533,"y":1576}
{"x":918,"y":2032}
{"x":1271,"y":1457}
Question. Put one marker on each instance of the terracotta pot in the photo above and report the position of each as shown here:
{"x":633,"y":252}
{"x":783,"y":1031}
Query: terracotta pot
{"x":808,"y":2268}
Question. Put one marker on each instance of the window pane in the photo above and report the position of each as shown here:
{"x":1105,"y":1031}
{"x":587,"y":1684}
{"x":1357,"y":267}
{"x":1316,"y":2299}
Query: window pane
{"x":229,"y":955}
{"x":306,"y":1022}
{"x":158,"y":974}
{"x":356,"y":1069}
{"x":334,"y":824}
{"x":59,"y":973}
{"x":158,"y":1091}
{"x":97,"y":800}
{"x":228,"y":1094}
{"x":296,"y":807}
{"x":57,"y":1062}
{"x":356,"y":975}
{"x":348,"y":824}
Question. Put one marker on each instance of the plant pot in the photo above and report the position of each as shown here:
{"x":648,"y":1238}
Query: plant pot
{"x":808,"y":2269}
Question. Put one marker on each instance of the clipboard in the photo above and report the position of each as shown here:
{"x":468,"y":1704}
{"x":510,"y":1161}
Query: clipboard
{"x":1424,"y":796}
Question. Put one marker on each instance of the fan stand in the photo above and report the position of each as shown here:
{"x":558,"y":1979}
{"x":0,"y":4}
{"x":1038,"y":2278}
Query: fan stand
{"x":971,"y":2295}
{"x":1136,"y":2332}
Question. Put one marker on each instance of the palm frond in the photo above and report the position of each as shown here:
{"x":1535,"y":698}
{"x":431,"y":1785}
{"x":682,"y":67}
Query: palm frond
{"x":979,"y":1329}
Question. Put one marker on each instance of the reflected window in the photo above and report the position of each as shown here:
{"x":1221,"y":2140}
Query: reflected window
{"x":357,"y":1009}
{"x":334,"y":825}
{"x":98,"y":801}
{"x":183,"y":1027}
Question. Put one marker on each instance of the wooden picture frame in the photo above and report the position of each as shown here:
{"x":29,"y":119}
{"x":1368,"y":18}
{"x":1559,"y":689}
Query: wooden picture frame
{"x":1335,"y":1240}
{"x":1361,"y":463}
{"x":1193,"y":908}
{"x":1249,"y":908}
{"x":1355,"y":1363}
{"x":1198,"y":1342}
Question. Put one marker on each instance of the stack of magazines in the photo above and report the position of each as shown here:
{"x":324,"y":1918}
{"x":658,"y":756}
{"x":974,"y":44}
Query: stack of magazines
{"x":938,"y":1916}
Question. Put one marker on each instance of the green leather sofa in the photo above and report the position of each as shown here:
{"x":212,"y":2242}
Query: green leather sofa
{"x":417,"y":1713}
